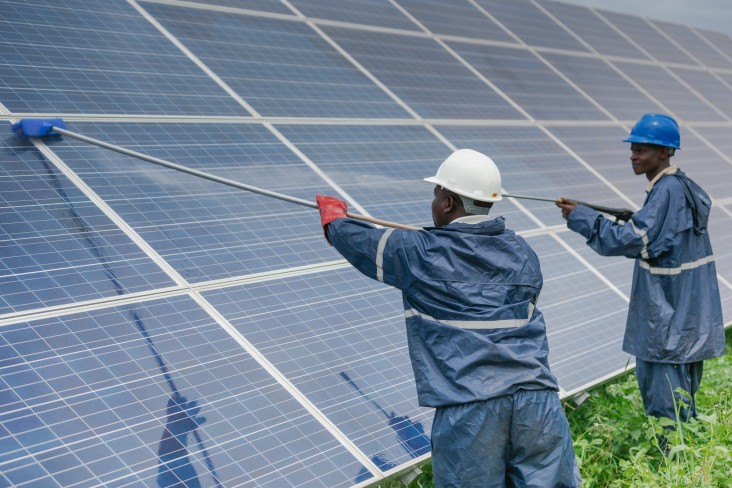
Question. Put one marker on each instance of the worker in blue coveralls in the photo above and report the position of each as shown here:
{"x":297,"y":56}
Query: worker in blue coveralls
{"x":476,"y":339}
{"x":674,"y":317}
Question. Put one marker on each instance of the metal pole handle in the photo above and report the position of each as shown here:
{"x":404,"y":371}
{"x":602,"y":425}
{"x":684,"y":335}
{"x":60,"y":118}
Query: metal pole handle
{"x":219,"y":179}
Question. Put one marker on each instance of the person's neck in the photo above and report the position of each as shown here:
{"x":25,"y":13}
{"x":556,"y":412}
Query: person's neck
{"x":661,"y":167}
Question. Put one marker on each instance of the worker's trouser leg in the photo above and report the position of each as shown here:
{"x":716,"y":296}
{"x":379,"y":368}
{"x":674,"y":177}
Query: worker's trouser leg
{"x":658,"y":383}
{"x":519,"y":440}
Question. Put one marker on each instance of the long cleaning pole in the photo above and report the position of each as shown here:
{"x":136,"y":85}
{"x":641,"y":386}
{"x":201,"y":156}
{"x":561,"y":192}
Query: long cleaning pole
{"x":219,"y":179}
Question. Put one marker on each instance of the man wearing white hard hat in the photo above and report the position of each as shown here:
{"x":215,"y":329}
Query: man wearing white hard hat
{"x":476,"y":339}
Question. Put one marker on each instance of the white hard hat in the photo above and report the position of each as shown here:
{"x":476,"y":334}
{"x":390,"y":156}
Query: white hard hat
{"x":469,"y":174}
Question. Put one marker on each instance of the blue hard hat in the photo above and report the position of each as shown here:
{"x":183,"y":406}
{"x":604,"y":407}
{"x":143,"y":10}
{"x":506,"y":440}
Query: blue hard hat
{"x":657,"y":129}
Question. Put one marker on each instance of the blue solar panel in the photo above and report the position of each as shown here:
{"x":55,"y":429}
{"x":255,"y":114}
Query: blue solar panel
{"x":721,"y":42}
{"x":364,"y":12}
{"x":670,"y":92}
{"x":456,"y":19}
{"x":279,"y":67}
{"x":206,"y":230}
{"x":719,"y":138}
{"x":274,"y":6}
{"x":153,"y":394}
{"x":380,"y":167}
{"x":708,"y":86}
{"x":77,"y":57}
{"x":603,"y":149}
{"x":605,"y":85}
{"x":593,"y":30}
{"x":720,"y":233}
{"x":323,"y":331}
{"x":423,"y":75}
{"x":583,"y":316}
{"x":56,"y":246}
{"x":643,"y":35}
{"x":531,"y":24}
{"x":529,"y":82}
{"x":704,"y":165}
{"x":695,"y":45}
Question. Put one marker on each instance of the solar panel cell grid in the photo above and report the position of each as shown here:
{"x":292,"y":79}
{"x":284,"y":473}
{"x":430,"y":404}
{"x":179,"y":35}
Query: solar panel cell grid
{"x":56,"y":246}
{"x":710,"y":88}
{"x":381,"y":167}
{"x":321,"y":331}
{"x":424,"y":75}
{"x":531,"y":24}
{"x":363,"y":12}
{"x":279,"y":67}
{"x":152,"y":393}
{"x":529,"y":82}
{"x":593,"y":30}
{"x":582,"y":316}
{"x":670,"y":92}
{"x":79,"y":58}
{"x":645,"y":36}
{"x":604,"y":85}
{"x":695,"y":45}
{"x":204,"y":229}
{"x":455,"y":19}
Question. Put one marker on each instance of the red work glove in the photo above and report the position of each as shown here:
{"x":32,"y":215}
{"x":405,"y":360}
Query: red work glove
{"x":330,"y":208}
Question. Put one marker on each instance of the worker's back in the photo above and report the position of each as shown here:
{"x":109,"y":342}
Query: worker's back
{"x":469,"y":291}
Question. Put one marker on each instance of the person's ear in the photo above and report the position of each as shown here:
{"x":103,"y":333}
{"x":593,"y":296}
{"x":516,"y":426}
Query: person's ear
{"x":450,"y":203}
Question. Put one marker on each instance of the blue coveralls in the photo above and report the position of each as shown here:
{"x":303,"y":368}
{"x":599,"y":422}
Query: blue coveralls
{"x":675,"y":314}
{"x":478,"y":348}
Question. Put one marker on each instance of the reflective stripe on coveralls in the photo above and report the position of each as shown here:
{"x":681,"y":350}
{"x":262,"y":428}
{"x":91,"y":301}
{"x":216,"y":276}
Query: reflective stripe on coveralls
{"x":475,"y":324}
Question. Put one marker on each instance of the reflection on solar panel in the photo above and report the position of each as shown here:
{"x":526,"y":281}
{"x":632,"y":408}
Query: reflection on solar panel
{"x":160,"y":329}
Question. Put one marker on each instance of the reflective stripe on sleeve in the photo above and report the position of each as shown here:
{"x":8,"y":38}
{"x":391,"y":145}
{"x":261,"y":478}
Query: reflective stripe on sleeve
{"x":678,"y":269}
{"x":475,"y":324}
{"x":380,"y":255}
{"x":644,"y":237}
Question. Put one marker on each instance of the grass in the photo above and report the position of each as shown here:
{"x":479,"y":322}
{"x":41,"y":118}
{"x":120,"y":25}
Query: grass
{"x":616,"y":443}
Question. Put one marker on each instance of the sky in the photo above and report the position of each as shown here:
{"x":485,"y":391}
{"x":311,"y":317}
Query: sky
{"x":713,"y":15}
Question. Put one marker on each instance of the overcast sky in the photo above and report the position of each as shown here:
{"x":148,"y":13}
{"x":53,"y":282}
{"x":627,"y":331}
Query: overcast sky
{"x":708,"y":14}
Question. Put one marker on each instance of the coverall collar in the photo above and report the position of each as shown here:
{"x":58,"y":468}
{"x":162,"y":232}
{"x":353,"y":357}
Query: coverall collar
{"x":472,"y":219}
{"x":668,"y":171}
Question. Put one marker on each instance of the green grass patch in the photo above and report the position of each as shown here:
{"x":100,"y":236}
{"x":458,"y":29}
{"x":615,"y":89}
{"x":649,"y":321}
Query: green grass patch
{"x":617,"y":444}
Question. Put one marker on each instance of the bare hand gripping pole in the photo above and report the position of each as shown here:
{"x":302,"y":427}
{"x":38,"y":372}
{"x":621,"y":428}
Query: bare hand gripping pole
{"x":620,"y":214}
{"x":46,"y":127}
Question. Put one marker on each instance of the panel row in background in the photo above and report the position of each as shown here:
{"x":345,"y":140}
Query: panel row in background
{"x":158,"y":390}
{"x":283,"y":67}
{"x":59,"y":247}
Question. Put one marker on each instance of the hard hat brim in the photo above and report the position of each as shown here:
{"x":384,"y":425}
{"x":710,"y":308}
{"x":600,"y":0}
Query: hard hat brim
{"x":646,"y":140}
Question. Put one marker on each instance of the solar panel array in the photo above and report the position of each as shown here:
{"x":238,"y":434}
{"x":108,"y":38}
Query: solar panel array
{"x":157,"y":328}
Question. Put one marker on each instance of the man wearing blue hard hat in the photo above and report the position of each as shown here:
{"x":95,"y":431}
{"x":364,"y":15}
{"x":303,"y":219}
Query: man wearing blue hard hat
{"x":675,"y":314}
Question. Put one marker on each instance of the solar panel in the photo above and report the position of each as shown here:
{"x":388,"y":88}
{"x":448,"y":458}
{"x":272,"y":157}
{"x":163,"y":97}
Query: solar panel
{"x":528,"y":81}
{"x":641,"y":33}
{"x":593,"y":30}
{"x":158,"y":329}
{"x":531,"y":24}
{"x":695,"y":45}
{"x":359,"y":12}
{"x":80,"y":58}
{"x":455,"y":19}
{"x":422,"y":74}
{"x":671,"y":93}
{"x":280,"y":67}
